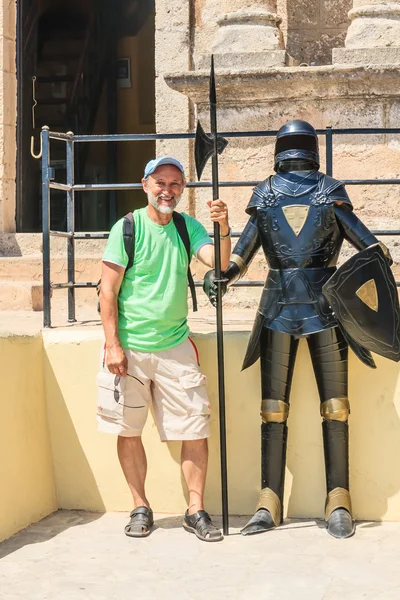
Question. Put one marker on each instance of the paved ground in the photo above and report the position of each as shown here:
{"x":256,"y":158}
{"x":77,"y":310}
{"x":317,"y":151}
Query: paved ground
{"x":72,"y":555}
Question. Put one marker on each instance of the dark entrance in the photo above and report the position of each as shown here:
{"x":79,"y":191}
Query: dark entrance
{"x":79,"y":67}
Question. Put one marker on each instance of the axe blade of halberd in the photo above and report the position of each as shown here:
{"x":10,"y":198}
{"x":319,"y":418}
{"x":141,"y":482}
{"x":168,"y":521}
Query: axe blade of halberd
{"x":204,"y":148}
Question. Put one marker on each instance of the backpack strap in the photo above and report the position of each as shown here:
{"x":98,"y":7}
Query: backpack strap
{"x":128,"y":233}
{"x":180,"y":224}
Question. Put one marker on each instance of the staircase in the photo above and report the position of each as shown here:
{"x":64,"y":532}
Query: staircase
{"x":21,"y":270}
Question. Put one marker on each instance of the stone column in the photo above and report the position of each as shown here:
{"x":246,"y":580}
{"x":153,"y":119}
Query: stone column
{"x":172,"y":52}
{"x":248,"y":38}
{"x":374,"y":34}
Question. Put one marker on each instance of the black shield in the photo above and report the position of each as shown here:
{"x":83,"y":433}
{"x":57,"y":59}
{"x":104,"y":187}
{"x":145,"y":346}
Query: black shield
{"x":364,"y":298}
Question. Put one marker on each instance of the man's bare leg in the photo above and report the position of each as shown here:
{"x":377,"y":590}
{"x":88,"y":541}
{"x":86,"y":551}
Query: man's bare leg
{"x":194,"y":459}
{"x":132,"y":458}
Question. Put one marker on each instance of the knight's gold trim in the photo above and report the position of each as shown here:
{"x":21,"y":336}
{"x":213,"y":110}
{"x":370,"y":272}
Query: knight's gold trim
{"x":270,"y":501}
{"x":296,"y":215}
{"x":335,"y":409}
{"x":369,"y":294}
{"x":274,"y":411}
{"x":385,"y":250}
{"x":337,"y":498}
{"x":240,"y":263}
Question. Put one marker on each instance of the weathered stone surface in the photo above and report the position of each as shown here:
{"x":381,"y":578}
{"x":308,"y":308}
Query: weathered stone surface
{"x":313,"y":46}
{"x":334,"y":13}
{"x":172,"y":47}
{"x":21,"y":296}
{"x":271,"y":85}
{"x":247,"y":39}
{"x":366,"y":56}
{"x":374,"y":34}
{"x":374,"y":29}
{"x":303,"y":13}
{"x":237,"y":28}
{"x":248,"y":31}
{"x":249,"y":61}
{"x":8,"y":89}
{"x":9,"y":17}
{"x":312,"y":28}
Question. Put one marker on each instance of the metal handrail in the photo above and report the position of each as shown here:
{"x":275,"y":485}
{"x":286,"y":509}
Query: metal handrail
{"x":70,"y":187}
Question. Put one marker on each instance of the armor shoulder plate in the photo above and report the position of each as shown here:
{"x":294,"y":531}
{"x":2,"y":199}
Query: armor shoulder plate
{"x":331,"y":191}
{"x":263,"y":197}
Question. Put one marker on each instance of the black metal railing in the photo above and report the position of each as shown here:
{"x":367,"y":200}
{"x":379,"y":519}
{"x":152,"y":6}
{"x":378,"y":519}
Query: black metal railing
{"x":70,"y":188}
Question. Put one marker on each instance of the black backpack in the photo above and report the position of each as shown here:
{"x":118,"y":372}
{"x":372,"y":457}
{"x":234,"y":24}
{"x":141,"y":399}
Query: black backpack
{"x":128,"y":233}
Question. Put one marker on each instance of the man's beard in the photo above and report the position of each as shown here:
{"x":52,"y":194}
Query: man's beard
{"x":165,"y":210}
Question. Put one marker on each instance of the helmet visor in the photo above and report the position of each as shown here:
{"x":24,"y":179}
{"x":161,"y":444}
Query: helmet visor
{"x":296,"y":142}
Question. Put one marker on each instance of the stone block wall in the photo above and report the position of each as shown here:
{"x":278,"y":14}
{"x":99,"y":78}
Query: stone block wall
{"x":312,"y":28}
{"x":8,"y":114}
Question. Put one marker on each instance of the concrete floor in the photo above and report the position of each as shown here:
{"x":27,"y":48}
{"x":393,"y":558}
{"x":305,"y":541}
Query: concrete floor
{"x":85,"y":556}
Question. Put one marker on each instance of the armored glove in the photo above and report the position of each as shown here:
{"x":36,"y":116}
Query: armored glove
{"x":210,"y":285}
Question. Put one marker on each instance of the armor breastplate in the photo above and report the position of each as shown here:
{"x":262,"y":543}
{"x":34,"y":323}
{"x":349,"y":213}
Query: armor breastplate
{"x":297,"y":223}
{"x":301,"y":239}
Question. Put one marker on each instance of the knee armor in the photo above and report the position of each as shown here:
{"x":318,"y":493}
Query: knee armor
{"x":274,"y":411}
{"x":335,"y":409}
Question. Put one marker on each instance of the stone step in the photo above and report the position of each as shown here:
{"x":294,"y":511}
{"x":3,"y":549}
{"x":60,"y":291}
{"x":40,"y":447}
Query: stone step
{"x":31,"y":269}
{"x":21,"y":295}
{"x":28,"y":296}
{"x":26,"y":244}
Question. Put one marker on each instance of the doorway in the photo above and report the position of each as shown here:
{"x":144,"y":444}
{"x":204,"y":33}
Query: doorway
{"x":70,"y":66}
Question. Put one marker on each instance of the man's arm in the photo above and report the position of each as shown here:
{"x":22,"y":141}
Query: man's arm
{"x":206,"y":254}
{"x":111,"y":279}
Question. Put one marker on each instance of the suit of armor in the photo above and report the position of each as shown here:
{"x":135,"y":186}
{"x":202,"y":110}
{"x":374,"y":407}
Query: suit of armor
{"x":300,"y":218}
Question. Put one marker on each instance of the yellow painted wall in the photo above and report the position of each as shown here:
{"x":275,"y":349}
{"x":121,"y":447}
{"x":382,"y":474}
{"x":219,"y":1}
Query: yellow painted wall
{"x":87,"y":471}
{"x":53,"y":457}
{"x":27,"y":490}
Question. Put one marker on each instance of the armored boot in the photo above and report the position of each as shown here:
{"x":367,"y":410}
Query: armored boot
{"x":268,"y":513}
{"x":338,"y":513}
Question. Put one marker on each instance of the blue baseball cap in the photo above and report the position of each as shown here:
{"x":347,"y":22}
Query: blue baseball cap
{"x":163,"y":160}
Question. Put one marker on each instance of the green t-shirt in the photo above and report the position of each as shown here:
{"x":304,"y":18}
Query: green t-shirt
{"x":152,"y":303}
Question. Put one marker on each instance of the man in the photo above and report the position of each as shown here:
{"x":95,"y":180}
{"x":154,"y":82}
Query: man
{"x":300,"y":218}
{"x":148,"y":354}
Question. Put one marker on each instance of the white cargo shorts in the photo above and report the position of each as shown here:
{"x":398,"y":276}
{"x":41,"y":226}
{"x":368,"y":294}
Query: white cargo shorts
{"x":171,"y":380}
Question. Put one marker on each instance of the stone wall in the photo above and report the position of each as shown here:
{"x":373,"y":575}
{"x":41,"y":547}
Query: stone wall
{"x":312,"y":28}
{"x":8,"y":113}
